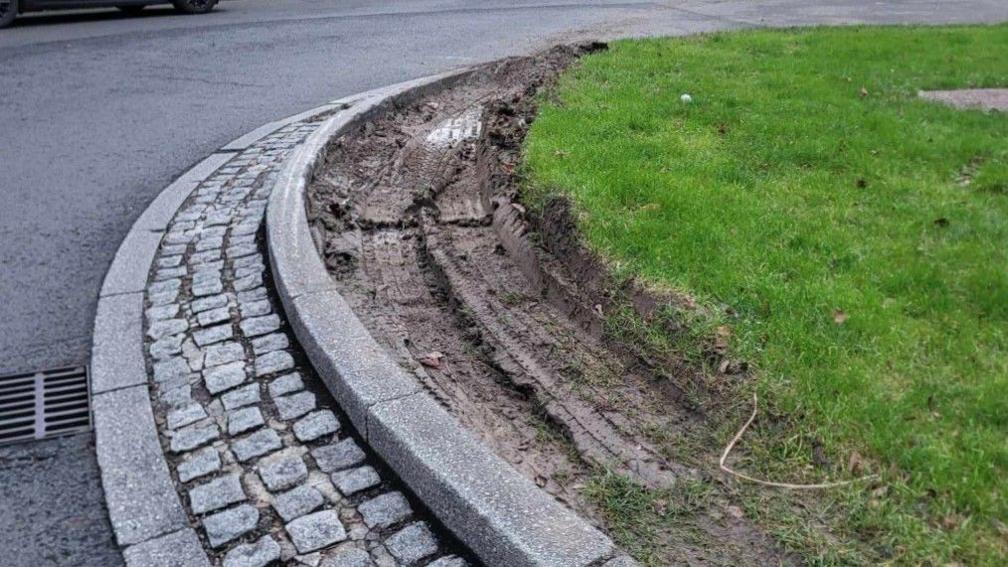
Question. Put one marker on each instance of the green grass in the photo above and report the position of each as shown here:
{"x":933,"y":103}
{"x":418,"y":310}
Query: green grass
{"x":806,"y":183}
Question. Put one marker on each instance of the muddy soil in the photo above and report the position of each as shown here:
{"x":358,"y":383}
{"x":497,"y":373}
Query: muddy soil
{"x":500,"y":314}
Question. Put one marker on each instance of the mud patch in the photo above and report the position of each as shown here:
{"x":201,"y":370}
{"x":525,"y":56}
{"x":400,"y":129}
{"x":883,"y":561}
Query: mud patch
{"x":500,"y":313}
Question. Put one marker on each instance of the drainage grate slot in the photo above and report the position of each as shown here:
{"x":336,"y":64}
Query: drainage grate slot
{"x":44,"y":404}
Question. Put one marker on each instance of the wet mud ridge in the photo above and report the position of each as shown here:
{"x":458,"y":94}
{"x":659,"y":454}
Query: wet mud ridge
{"x":499,"y":314}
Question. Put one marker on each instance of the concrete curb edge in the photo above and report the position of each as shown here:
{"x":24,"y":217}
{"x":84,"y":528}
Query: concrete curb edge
{"x":147,"y":517}
{"x":504,"y":518}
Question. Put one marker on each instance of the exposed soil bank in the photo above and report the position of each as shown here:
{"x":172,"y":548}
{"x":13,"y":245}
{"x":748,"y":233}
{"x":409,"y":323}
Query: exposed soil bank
{"x":502,"y":316}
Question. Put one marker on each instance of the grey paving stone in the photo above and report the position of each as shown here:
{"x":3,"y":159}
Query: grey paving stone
{"x":350,"y":557}
{"x":248,"y":282}
{"x":250,"y":270}
{"x":169,"y":261}
{"x":273,"y":362}
{"x":176,"y":396}
{"x":139,"y":492}
{"x":199,"y":463}
{"x":207,"y":287}
{"x":204,"y":257}
{"x":209,"y":243}
{"x":172,"y":249}
{"x":176,"y":549}
{"x":297,"y":502}
{"x":240,"y":397}
{"x":294,"y":405}
{"x":412,"y":543}
{"x":223,"y":353}
{"x":193,"y":436}
{"x":315,"y":425}
{"x":256,"y":445}
{"x":353,"y":481}
{"x":251,"y":260}
{"x":449,"y":561}
{"x":256,"y":326}
{"x":384,"y":510}
{"x":258,"y":554}
{"x":621,"y":561}
{"x":185,"y":416}
{"x":169,"y":273}
{"x":166,"y":347}
{"x":342,"y":455}
{"x":170,"y":368}
{"x":241,"y":250}
{"x":224,"y":377}
{"x":212,"y":316}
{"x":167,"y":327}
{"x":244,"y":419}
{"x":210,"y":335}
{"x":216,"y":494}
{"x":193,"y":354}
{"x":256,"y":308}
{"x":269,"y":343}
{"x":162,"y":312}
{"x":252,"y":294}
{"x":286,"y":384}
{"x":163,"y":298}
{"x":316,"y":531}
{"x":164,"y":286}
{"x":210,"y":302}
{"x":283,"y":473}
{"x":225,"y":526}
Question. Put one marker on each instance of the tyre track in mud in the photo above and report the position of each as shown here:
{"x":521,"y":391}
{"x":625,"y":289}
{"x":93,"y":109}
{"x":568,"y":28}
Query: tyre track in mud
{"x":425,"y":237}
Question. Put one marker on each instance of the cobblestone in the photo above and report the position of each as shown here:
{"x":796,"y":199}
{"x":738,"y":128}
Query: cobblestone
{"x":225,"y":526}
{"x":244,"y":419}
{"x":241,"y":463}
{"x":294,"y":405}
{"x":353,"y":481}
{"x":255,"y":326}
{"x":297,"y":502}
{"x":191,"y":437}
{"x":269,"y":343}
{"x":240,"y":397}
{"x":342,"y":455}
{"x":315,"y":425}
{"x":185,"y":416}
{"x":384,"y":510}
{"x":216,"y":494}
{"x":286,"y":384}
{"x":263,"y":552}
{"x":224,"y":377}
{"x":256,"y":445}
{"x":316,"y":531}
{"x":273,"y":362}
{"x":412,"y":543}
{"x":283,"y":473}
{"x":200,"y":463}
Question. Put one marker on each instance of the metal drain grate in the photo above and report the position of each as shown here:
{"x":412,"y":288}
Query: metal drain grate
{"x":44,"y":404}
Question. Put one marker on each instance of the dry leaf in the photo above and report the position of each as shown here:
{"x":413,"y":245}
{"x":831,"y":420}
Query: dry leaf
{"x":734,"y":512}
{"x":863,"y":92}
{"x":432,"y":359}
{"x":839,"y":317}
{"x":855,"y":463}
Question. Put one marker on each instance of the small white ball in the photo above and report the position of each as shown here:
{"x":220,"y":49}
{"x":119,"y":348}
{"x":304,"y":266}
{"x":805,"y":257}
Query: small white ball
{"x":686,"y":98}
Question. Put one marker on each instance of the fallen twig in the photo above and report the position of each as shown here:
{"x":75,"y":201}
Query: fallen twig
{"x":729,"y":470}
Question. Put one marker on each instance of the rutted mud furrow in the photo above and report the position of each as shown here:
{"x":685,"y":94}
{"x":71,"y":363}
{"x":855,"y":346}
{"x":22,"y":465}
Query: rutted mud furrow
{"x":427,"y":241}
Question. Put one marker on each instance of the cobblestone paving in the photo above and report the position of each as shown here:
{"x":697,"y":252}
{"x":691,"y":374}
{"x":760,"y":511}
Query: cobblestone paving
{"x":261,"y":455}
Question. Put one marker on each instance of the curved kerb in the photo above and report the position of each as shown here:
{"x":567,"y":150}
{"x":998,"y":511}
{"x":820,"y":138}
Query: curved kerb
{"x":504,"y":518}
{"x":147,"y":517}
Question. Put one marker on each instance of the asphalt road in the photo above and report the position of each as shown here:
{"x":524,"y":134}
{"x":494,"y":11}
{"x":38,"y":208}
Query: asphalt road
{"x":101,"y":111}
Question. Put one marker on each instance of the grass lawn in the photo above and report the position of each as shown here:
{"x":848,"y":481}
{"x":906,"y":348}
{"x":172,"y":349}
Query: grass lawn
{"x":854,"y":237}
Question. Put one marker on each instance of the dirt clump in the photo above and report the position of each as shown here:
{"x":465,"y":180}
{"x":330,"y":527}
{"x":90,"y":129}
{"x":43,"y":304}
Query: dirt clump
{"x":501,"y":314}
